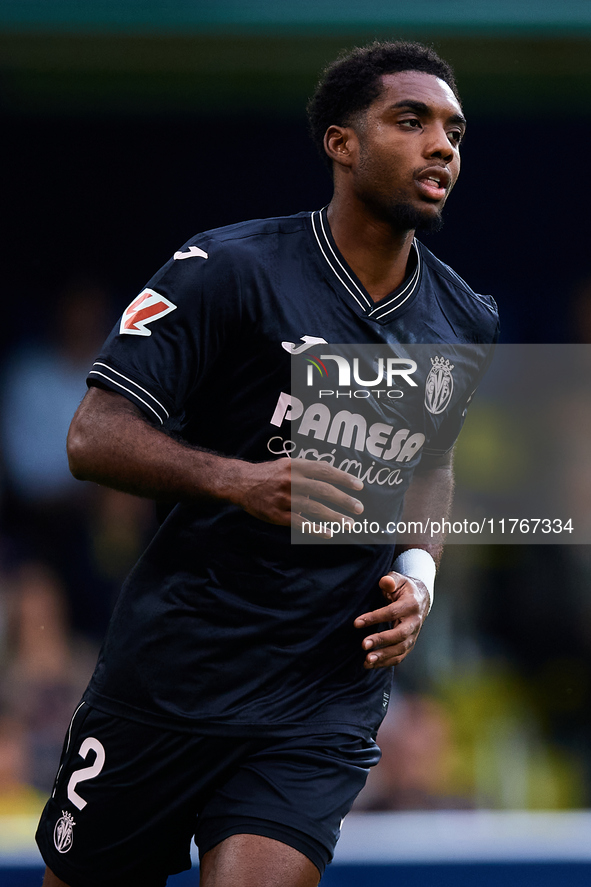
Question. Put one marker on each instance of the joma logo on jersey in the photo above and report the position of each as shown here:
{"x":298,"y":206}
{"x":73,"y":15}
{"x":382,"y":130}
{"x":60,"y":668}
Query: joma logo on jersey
{"x":309,"y":342}
{"x":146,"y":308}
{"x":388,"y":369}
{"x":349,"y":430}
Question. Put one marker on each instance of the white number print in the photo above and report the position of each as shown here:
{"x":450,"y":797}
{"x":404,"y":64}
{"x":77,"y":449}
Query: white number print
{"x":90,"y":744}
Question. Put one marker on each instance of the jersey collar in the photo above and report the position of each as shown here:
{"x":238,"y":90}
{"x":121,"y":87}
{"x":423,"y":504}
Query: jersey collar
{"x":349,"y":284}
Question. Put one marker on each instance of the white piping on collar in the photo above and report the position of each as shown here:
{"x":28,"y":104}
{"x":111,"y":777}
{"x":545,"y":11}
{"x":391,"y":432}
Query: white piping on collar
{"x":330,"y":264}
{"x":345,"y":270}
{"x":357,"y":293}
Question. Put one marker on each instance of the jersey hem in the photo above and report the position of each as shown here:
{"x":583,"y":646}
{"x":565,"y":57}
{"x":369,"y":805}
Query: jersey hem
{"x":222,"y":727}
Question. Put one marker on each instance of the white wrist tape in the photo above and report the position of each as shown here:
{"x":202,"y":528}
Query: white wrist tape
{"x":416,"y":563}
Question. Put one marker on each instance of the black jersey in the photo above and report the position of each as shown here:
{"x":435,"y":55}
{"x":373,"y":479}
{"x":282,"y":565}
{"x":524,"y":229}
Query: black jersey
{"x":223,"y":625}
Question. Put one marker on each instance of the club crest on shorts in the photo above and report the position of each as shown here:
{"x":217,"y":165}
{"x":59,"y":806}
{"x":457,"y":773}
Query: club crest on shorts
{"x":62,"y":833}
{"x":439,"y":385}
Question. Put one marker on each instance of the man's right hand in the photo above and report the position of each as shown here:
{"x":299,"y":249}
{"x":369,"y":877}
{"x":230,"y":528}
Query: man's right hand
{"x":288,"y":491}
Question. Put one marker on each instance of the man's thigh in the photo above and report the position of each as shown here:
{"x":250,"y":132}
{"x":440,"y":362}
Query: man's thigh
{"x":255,"y":861}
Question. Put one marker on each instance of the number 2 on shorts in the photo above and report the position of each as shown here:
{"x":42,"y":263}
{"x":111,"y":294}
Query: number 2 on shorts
{"x":90,"y":744}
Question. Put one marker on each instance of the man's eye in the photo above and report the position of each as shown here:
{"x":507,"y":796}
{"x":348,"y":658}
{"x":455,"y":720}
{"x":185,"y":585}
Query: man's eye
{"x":412,"y":122}
{"x":455,"y":136}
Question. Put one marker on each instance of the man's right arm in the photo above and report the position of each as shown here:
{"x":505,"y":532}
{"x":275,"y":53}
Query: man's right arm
{"x":111,"y":443}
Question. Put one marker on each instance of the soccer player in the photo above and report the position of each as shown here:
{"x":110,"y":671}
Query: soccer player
{"x":239,"y":690}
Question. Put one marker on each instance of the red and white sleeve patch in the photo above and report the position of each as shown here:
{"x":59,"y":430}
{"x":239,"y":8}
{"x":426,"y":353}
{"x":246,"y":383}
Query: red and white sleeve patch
{"x":145,"y":308}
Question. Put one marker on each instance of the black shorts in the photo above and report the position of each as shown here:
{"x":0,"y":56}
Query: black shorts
{"x":128,"y":798}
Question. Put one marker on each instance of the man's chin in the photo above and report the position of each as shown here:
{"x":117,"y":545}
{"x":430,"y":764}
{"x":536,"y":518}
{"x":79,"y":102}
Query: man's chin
{"x":407,"y":216}
{"x":431,"y":224}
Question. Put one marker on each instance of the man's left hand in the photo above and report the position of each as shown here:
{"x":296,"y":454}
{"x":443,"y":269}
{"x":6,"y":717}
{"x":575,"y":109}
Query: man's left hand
{"x":407,"y":609}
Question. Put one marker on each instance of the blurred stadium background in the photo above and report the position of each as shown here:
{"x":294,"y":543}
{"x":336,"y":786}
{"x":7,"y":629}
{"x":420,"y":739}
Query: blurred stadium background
{"x":129,"y":125}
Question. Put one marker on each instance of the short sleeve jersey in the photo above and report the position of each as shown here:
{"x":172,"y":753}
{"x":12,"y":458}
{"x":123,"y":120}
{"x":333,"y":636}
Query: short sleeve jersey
{"x":224,"y":625}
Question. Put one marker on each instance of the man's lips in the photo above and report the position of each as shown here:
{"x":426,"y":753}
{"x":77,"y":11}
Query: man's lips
{"x":433,"y":182}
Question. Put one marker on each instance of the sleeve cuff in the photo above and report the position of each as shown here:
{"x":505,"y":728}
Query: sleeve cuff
{"x":122,"y":384}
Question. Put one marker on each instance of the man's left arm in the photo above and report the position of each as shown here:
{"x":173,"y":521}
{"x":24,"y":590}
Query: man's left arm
{"x":429,"y":496}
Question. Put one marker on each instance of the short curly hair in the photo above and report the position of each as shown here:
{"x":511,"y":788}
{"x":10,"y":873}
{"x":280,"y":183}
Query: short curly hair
{"x":352,"y":82}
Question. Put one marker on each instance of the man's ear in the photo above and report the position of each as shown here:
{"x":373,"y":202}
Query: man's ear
{"x":340,"y":143}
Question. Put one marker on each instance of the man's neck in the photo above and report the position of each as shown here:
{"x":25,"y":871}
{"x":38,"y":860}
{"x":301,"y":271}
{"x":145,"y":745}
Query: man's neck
{"x":373,"y":250}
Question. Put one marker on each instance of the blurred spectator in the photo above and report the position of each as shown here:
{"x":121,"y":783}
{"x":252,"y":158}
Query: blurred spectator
{"x":88,"y":536}
{"x":16,"y":794}
{"x":46,"y":668}
{"x":414,"y":772}
{"x":43,"y":385}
